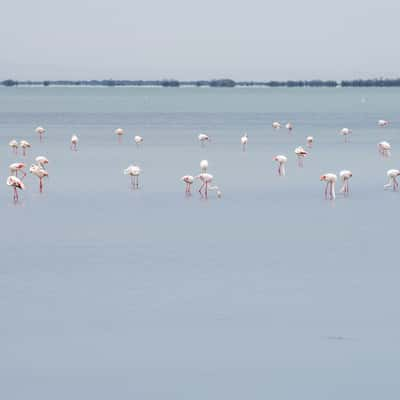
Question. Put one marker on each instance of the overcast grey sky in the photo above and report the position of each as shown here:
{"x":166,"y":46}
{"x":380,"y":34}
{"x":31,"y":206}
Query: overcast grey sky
{"x":148,"y":39}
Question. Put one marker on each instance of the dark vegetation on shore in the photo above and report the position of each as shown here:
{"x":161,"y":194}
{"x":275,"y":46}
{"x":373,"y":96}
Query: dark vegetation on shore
{"x":211,"y":83}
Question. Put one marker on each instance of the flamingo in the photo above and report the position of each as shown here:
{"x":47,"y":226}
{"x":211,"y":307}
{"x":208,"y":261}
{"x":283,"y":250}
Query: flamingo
{"x":392,"y":175}
{"x":15,"y":167}
{"x":217,"y":191}
{"x":16,"y":183}
{"x":345,"y":132}
{"x":300,"y":153}
{"x":40,"y":130}
{"x":276,"y":125}
{"x":345,"y":176}
{"x":243,"y":140}
{"x":383,"y":123}
{"x":134,"y":172}
{"x":42,"y":161}
{"x":203,"y":165}
{"x":289,"y":127}
{"x":138,"y":140}
{"x":203,"y":138}
{"x":40,"y":172}
{"x":24,"y":145}
{"x":310,"y":141}
{"x":384,"y":148}
{"x":119,"y":132}
{"x":330,"y":180}
{"x":206,"y":180}
{"x":188,"y":179}
{"x":14,"y":145}
{"x":74,"y":143}
{"x":282,"y":160}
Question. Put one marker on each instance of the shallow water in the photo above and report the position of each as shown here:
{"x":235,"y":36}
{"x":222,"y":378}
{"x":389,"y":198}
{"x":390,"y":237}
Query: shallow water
{"x":269,"y":292}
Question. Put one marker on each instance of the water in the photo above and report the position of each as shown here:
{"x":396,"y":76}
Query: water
{"x":269,"y":292}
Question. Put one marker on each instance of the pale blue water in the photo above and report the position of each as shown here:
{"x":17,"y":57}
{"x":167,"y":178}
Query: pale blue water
{"x":269,"y":292}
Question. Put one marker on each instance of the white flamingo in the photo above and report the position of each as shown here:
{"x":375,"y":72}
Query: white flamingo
{"x":281,"y":160}
{"x":345,"y":176}
{"x":16,"y":167}
{"x":40,"y":130}
{"x":119,"y":132}
{"x":40,"y":172}
{"x":345,"y":132}
{"x":206,"y":180}
{"x":74,"y":142}
{"x":276,"y":125}
{"x":243,"y":140}
{"x":300,"y":153}
{"x":203,"y":138}
{"x":289,"y":126}
{"x":24,"y":145}
{"x":203,"y":165}
{"x":188,"y":179}
{"x":384,"y":148}
{"x":392,"y":175}
{"x":15,"y":183}
{"x":14,"y":145}
{"x":330,"y":180}
{"x":42,"y":161}
{"x":382,"y":123}
{"x":138,"y":140}
{"x":134,"y":172}
{"x":310,"y":141}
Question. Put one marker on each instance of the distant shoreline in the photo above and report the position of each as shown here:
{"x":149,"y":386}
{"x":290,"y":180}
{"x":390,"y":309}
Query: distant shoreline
{"x":214,"y":83}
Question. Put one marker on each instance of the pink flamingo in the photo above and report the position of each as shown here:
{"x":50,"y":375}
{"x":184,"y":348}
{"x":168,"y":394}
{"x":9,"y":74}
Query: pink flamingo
{"x":281,"y":160}
{"x":74,"y":143}
{"x":345,"y":176}
{"x":206,"y":180}
{"x":330,"y":180}
{"x":384,"y":149}
{"x":16,"y":183}
{"x":300,"y":153}
{"x":40,"y":130}
{"x":40,"y":173}
{"x":15,"y":167}
{"x":310,"y":141}
{"x":24,"y":145}
{"x":392,"y":175}
{"x":14,"y":145}
{"x":188,"y":179}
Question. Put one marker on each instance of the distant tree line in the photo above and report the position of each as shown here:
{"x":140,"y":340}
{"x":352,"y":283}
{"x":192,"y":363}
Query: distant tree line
{"x":217,"y":83}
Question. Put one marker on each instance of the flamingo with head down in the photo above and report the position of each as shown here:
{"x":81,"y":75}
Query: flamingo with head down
{"x":281,"y":160}
{"x":392,"y":175}
{"x":15,"y":183}
{"x":330,"y":180}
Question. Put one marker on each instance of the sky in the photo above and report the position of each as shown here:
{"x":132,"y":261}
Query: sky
{"x":148,"y":39}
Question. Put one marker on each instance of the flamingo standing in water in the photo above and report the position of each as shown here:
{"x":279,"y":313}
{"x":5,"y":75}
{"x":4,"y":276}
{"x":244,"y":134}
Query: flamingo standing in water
{"x":310,"y":141}
{"x":188,"y":179}
{"x":345,"y":176}
{"x":281,"y":160}
{"x":243,"y":140}
{"x":15,"y":183}
{"x":383,"y":123}
{"x":217,"y":191}
{"x":330,"y":180}
{"x":74,"y":142}
{"x":289,"y":127}
{"x":42,"y":161}
{"x":40,"y":172}
{"x":384,"y":149}
{"x":203,"y":138}
{"x":133,"y":171}
{"x":24,"y":145}
{"x":15,"y":167}
{"x":203,"y":165}
{"x":345,"y":132}
{"x":14,"y":145}
{"x":206,"y":180}
{"x":276,"y":125}
{"x":138,"y":140}
{"x":392,"y":175}
{"x":119,"y":132}
{"x":40,"y":130}
{"x":300,"y":153}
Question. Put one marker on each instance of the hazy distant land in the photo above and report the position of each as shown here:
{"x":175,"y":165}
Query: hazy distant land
{"x":225,"y":83}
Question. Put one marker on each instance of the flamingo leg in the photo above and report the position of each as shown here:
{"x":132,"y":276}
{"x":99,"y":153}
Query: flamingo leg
{"x":206,"y":190}
{"x":201,"y":187}
{"x":41,"y":185}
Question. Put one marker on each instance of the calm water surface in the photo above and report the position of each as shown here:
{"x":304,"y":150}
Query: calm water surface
{"x":269,"y":292}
